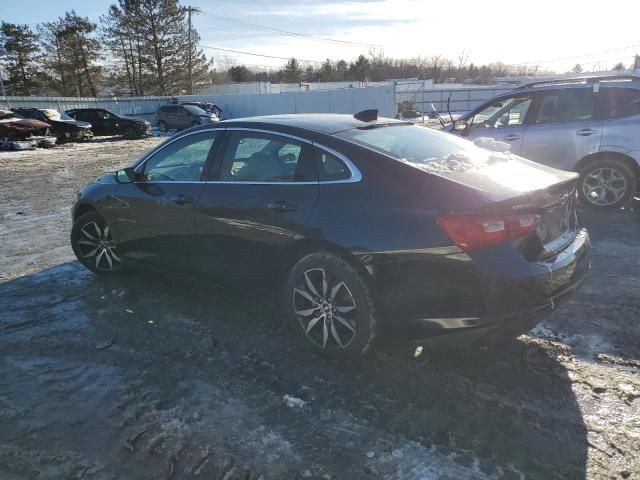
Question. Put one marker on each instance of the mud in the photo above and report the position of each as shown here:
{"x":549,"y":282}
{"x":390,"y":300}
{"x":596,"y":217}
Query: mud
{"x":151,"y":377}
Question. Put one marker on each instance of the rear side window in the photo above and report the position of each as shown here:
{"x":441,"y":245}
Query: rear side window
{"x":262,"y":157}
{"x":570,"y":105}
{"x":330,"y":167}
{"x":619,"y":102}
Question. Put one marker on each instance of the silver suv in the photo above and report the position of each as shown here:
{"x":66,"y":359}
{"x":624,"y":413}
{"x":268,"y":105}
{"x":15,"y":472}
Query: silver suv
{"x":587,"y":125}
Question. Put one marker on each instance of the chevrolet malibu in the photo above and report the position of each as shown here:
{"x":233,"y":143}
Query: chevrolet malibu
{"x":359,"y":227}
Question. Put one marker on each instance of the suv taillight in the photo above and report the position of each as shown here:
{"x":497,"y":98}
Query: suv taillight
{"x":473,"y":232}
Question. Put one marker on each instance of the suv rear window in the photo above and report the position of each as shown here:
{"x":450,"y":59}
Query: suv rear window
{"x":619,"y":102}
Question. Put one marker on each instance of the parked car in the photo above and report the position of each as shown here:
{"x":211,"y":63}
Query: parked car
{"x":106,"y":122}
{"x":359,"y":226}
{"x":179,"y":117}
{"x":587,"y":125}
{"x":18,"y":133}
{"x":207,"y":107}
{"x":64,"y":127}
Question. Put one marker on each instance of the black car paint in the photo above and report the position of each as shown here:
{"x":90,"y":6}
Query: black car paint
{"x":424,"y":284}
{"x":63,"y":129}
{"x":113,"y":124}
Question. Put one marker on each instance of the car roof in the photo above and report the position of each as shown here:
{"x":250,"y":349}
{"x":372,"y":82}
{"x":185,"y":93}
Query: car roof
{"x":329,"y":123}
{"x":580,"y":82}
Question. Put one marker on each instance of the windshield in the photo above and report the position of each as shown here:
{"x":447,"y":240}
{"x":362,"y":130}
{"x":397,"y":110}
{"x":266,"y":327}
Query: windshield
{"x":195,"y":110}
{"x":414,"y":144}
{"x":55,"y":115}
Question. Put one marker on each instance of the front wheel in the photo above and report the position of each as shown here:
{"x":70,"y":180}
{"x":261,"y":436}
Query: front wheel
{"x":94,"y":246}
{"x":332,"y":306}
{"x":606,"y":184}
{"x":162,"y":126}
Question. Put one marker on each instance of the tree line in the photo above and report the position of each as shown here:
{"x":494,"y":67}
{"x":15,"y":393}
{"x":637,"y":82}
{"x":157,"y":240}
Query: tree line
{"x":142,"y":47}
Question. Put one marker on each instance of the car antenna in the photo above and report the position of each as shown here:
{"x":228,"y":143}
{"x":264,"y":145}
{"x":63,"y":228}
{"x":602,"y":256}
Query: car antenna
{"x":367,"y":115}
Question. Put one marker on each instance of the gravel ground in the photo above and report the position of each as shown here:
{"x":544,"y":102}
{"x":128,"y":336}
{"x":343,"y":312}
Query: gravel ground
{"x":151,"y":377}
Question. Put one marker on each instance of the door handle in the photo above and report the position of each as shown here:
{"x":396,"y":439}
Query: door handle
{"x":182,"y":199}
{"x":585,"y":132}
{"x":511,"y":138}
{"x":282,"y":206}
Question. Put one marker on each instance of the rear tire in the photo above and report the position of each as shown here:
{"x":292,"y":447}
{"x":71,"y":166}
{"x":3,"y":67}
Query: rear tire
{"x":606,"y":184}
{"x":93,"y":245}
{"x":331,"y":306}
{"x":162,"y":126}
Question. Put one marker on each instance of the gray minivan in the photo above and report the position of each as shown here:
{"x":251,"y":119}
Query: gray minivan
{"x":587,"y":125}
{"x":179,"y":117}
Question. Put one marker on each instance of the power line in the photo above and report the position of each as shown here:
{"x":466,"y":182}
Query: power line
{"x":259,"y":54}
{"x":222,"y":18}
{"x":561,"y":59}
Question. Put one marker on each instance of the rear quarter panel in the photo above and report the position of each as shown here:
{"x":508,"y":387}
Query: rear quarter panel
{"x":622,"y":135}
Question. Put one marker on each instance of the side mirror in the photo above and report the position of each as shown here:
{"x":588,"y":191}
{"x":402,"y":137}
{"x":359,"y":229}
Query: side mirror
{"x":126,"y":175}
{"x":504,"y":119}
{"x":460,"y":125}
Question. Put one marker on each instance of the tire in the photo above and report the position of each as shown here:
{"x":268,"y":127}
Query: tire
{"x":342,"y":324}
{"x":162,"y":126}
{"x":606,"y":184}
{"x":93,"y":245}
{"x":130,"y":133}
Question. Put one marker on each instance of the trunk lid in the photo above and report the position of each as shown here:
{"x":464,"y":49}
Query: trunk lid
{"x":514,"y":185}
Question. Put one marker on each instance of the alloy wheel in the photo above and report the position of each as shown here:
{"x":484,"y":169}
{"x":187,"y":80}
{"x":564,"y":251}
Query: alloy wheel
{"x":604,"y":186}
{"x":96,"y":245}
{"x":326,"y":309}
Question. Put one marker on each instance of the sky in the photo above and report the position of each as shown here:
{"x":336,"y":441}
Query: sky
{"x":553,"y":34}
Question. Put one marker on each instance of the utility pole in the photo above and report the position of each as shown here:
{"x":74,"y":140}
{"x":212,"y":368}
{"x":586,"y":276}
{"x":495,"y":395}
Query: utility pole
{"x":189,"y":59}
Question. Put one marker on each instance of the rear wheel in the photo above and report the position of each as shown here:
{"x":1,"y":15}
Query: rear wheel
{"x":605,"y":184}
{"x":162,"y":126}
{"x":332,"y":306}
{"x":93,"y":245}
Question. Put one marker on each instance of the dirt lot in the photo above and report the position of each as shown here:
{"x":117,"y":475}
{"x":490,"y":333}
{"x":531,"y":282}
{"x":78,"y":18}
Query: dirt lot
{"x":149,"y":377}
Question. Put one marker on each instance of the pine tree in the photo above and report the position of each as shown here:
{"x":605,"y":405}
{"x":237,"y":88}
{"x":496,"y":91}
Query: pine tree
{"x":20,"y":58}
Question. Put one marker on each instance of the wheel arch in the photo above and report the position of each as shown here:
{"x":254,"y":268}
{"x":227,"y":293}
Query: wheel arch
{"x":82,"y":209}
{"x":626,"y":159}
{"x":299,"y":249}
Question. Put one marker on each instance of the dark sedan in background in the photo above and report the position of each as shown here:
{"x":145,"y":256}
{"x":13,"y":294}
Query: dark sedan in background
{"x":178,"y":117}
{"x":64,"y":127}
{"x":360,"y":227}
{"x":106,"y":122}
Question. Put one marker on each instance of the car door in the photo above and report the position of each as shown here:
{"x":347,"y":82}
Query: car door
{"x":503,"y":119}
{"x":263,"y":191}
{"x":564,"y":128}
{"x":107,"y":122}
{"x":153,"y":217}
{"x":183,"y":119}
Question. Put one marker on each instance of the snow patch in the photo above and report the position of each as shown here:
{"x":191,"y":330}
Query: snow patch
{"x":293,"y":402}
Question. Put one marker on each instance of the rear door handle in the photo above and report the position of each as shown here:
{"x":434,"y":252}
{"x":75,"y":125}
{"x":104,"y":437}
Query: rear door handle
{"x":282,"y":206}
{"x":511,"y":138}
{"x":182,"y":199}
{"x":585,"y":132}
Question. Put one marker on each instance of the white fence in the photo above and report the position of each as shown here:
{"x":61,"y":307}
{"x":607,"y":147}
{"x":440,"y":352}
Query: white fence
{"x":348,"y":100}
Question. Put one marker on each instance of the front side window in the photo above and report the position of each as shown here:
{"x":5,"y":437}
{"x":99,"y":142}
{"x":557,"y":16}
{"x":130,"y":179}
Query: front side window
{"x":503,"y":113}
{"x":570,"y":105}
{"x":260,"y":157}
{"x":182,"y":160}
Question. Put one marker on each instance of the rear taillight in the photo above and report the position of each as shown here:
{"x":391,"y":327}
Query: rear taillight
{"x":473,"y":232}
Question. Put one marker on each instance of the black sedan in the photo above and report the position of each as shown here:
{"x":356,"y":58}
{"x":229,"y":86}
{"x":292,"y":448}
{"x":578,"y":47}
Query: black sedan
{"x":106,"y":122}
{"x":64,"y":127}
{"x":359,"y":227}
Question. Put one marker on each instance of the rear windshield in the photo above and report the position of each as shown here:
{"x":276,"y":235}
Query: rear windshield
{"x":414,"y":144}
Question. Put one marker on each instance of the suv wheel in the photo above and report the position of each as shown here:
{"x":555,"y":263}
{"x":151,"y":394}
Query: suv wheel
{"x":606,"y":184}
{"x":332,"y":306}
{"x":93,"y":245}
{"x":162,"y":126}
